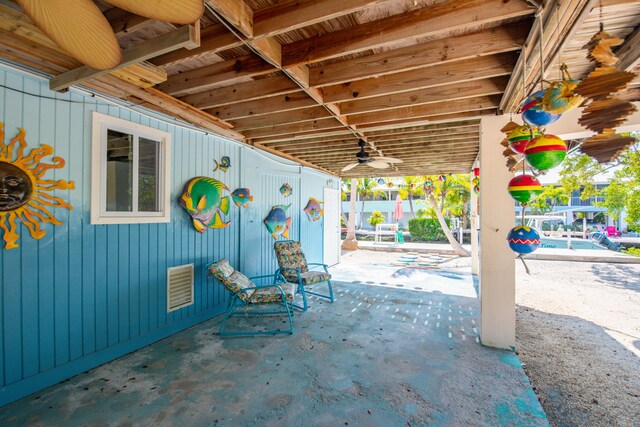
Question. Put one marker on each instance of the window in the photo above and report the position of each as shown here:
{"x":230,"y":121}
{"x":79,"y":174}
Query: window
{"x":130,"y":175}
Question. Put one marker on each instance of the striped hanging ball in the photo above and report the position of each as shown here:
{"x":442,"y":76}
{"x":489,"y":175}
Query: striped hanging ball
{"x":545,"y":152}
{"x":523,"y":240}
{"x":520,"y":137}
{"x":524,"y":188}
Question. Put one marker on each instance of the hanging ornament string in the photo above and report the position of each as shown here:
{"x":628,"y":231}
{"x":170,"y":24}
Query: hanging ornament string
{"x":541,"y":47}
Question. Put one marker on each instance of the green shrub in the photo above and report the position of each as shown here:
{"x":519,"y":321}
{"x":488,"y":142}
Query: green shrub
{"x":632,"y":251}
{"x":426,"y":229}
{"x":376,"y":218}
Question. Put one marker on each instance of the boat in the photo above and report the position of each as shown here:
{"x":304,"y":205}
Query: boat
{"x":549,"y":240}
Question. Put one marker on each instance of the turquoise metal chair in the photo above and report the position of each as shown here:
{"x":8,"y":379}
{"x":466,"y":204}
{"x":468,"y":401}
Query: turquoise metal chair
{"x":295,"y":269}
{"x":245,"y":294}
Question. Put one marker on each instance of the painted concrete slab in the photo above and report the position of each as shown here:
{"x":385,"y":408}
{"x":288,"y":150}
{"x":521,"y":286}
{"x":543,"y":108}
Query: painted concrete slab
{"x":381,"y":355}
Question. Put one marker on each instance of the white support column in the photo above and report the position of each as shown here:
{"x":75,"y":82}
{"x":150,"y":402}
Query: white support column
{"x":497,"y":261}
{"x":473,"y":229}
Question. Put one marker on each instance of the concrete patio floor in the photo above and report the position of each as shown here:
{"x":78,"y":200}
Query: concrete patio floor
{"x":381,"y":355}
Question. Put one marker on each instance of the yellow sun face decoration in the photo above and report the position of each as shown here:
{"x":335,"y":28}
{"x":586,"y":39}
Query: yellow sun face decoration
{"x":23,"y":192}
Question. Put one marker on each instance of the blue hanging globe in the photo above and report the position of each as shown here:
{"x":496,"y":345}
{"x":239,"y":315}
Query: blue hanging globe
{"x":533,"y":114}
{"x":523,"y":240}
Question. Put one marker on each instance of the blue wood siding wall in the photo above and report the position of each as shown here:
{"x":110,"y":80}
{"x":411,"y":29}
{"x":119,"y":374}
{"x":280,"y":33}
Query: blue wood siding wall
{"x":86,"y":294}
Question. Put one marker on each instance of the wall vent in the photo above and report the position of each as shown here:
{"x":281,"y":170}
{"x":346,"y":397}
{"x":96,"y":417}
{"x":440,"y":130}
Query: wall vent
{"x":179,"y":287}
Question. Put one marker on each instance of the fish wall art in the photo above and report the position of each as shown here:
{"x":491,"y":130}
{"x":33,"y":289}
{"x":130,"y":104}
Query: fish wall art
{"x":277,"y":222}
{"x":313,"y":209}
{"x":223,"y":165}
{"x":202,"y":198}
{"x":286,"y":189}
{"x":241,"y":197}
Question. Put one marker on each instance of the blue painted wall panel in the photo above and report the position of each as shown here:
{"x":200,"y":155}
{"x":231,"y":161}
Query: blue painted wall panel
{"x":85,"y":294}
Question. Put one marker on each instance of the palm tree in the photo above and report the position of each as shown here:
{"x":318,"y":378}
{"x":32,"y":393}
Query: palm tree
{"x":459,"y":196}
{"x":345,"y":187}
{"x":412,"y":186}
{"x":350,"y":243}
{"x":367,"y":187}
{"x":436,"y":195}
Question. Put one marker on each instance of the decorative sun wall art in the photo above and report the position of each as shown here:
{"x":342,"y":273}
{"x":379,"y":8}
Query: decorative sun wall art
{"x":23,"y":190}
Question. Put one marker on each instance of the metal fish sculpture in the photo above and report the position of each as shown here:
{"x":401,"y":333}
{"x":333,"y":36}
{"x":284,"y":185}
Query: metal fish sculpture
{"x":313,"y":210}
{"x":241,"y":197}
{"x":224,"y":165}
{"x":277,"y":221}
{"x":202,"y":198}
{"x":560,"y":97}
{"x":286,"y":189}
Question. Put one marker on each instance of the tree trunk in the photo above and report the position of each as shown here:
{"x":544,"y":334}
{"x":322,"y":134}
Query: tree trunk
{"x":413,"y":215}
{"x":350,"y":243}
{"x":457,"y":247}
{"x":362,"y":213}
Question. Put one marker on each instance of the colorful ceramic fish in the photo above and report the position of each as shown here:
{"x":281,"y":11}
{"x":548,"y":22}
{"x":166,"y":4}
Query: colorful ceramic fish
{"x":242,"y":197}
{"x":202,"y":198}
{"x":313,"y":210}
{"x":286,"y":189}
{"x":224,"y":165}
{"x":277,"y":221}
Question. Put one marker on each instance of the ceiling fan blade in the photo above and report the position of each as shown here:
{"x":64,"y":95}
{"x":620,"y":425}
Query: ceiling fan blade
{"x":79,"y":28}
{"x":389,"y":159}
{"x":349,"y":167}
{"x":378,"y":164}
{"x":175,"y":11}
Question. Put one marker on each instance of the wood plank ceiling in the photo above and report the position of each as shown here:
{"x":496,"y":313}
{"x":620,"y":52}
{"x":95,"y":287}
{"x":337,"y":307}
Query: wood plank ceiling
{"x":305,"y":79}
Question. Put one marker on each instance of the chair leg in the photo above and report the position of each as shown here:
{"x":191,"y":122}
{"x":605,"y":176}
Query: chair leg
{"x":230,"y":310}
{"x":304,"y":298}
{"x":330,"y":297}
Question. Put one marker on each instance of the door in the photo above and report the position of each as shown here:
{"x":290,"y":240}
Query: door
{"x":331,"y":226}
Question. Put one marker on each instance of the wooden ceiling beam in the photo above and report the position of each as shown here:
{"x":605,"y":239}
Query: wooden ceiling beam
{"x":424,"y":128}
{"x":469,"y":89}
{"x":283,"y":118}
{"x":445,"y":118}
{"x":490,"y":41}
{"x":321,"y":135}
{"x":175,"y":107}
{"x":258,"y":107}
{"x":438,"y":75}
{"x":305,"y":146}
{"x":460,"y":147}
{"x":349,"y":145}
{"x":431,"y":21}
{"x":413,"y":133}
{"x":629,"y":51}
{"x":213,"y":40}
{"x":235,"y":12}
{"x":187,"y":36}
{"x":428,"y":110}
{"x":294,"y":158}
{"x":292,"y":15}
{"x":205,"y":78}
{"x":242,"y":92}
{"x":123,"y":22}
{"x":328,"y":124}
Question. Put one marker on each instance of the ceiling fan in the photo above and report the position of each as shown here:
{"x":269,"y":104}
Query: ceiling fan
{"x":363,"y":158}
{"x":80,"y":28}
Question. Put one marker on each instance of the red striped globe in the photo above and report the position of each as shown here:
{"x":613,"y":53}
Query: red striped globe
{"x":524,"y":188}
{"x":545,"y":152}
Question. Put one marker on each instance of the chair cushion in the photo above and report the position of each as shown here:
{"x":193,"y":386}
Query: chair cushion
{"x":273,"y":294}
{"x":290,"y":255}
{"x":311,"y":277}
{"x":221,"y":269}
{"x":237,"y":282}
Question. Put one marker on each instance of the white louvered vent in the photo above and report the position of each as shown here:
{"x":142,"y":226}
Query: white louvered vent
{"x":179,"y":287}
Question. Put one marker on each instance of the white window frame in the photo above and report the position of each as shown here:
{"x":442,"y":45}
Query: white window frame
{"x":99,"y":214}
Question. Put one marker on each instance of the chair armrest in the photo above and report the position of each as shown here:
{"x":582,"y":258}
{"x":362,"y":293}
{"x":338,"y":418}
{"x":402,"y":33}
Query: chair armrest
{"x":297,"y":270}
{"x":275,"y":276}
{"x":325,"y":266}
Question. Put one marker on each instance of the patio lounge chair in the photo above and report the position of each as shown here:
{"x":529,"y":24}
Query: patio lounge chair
{"x":244,"y":293}
{"x":295,"y":269}
{"x":613,"y":232}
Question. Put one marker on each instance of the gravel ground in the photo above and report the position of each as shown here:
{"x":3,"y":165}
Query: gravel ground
{"x":578,"y":335}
